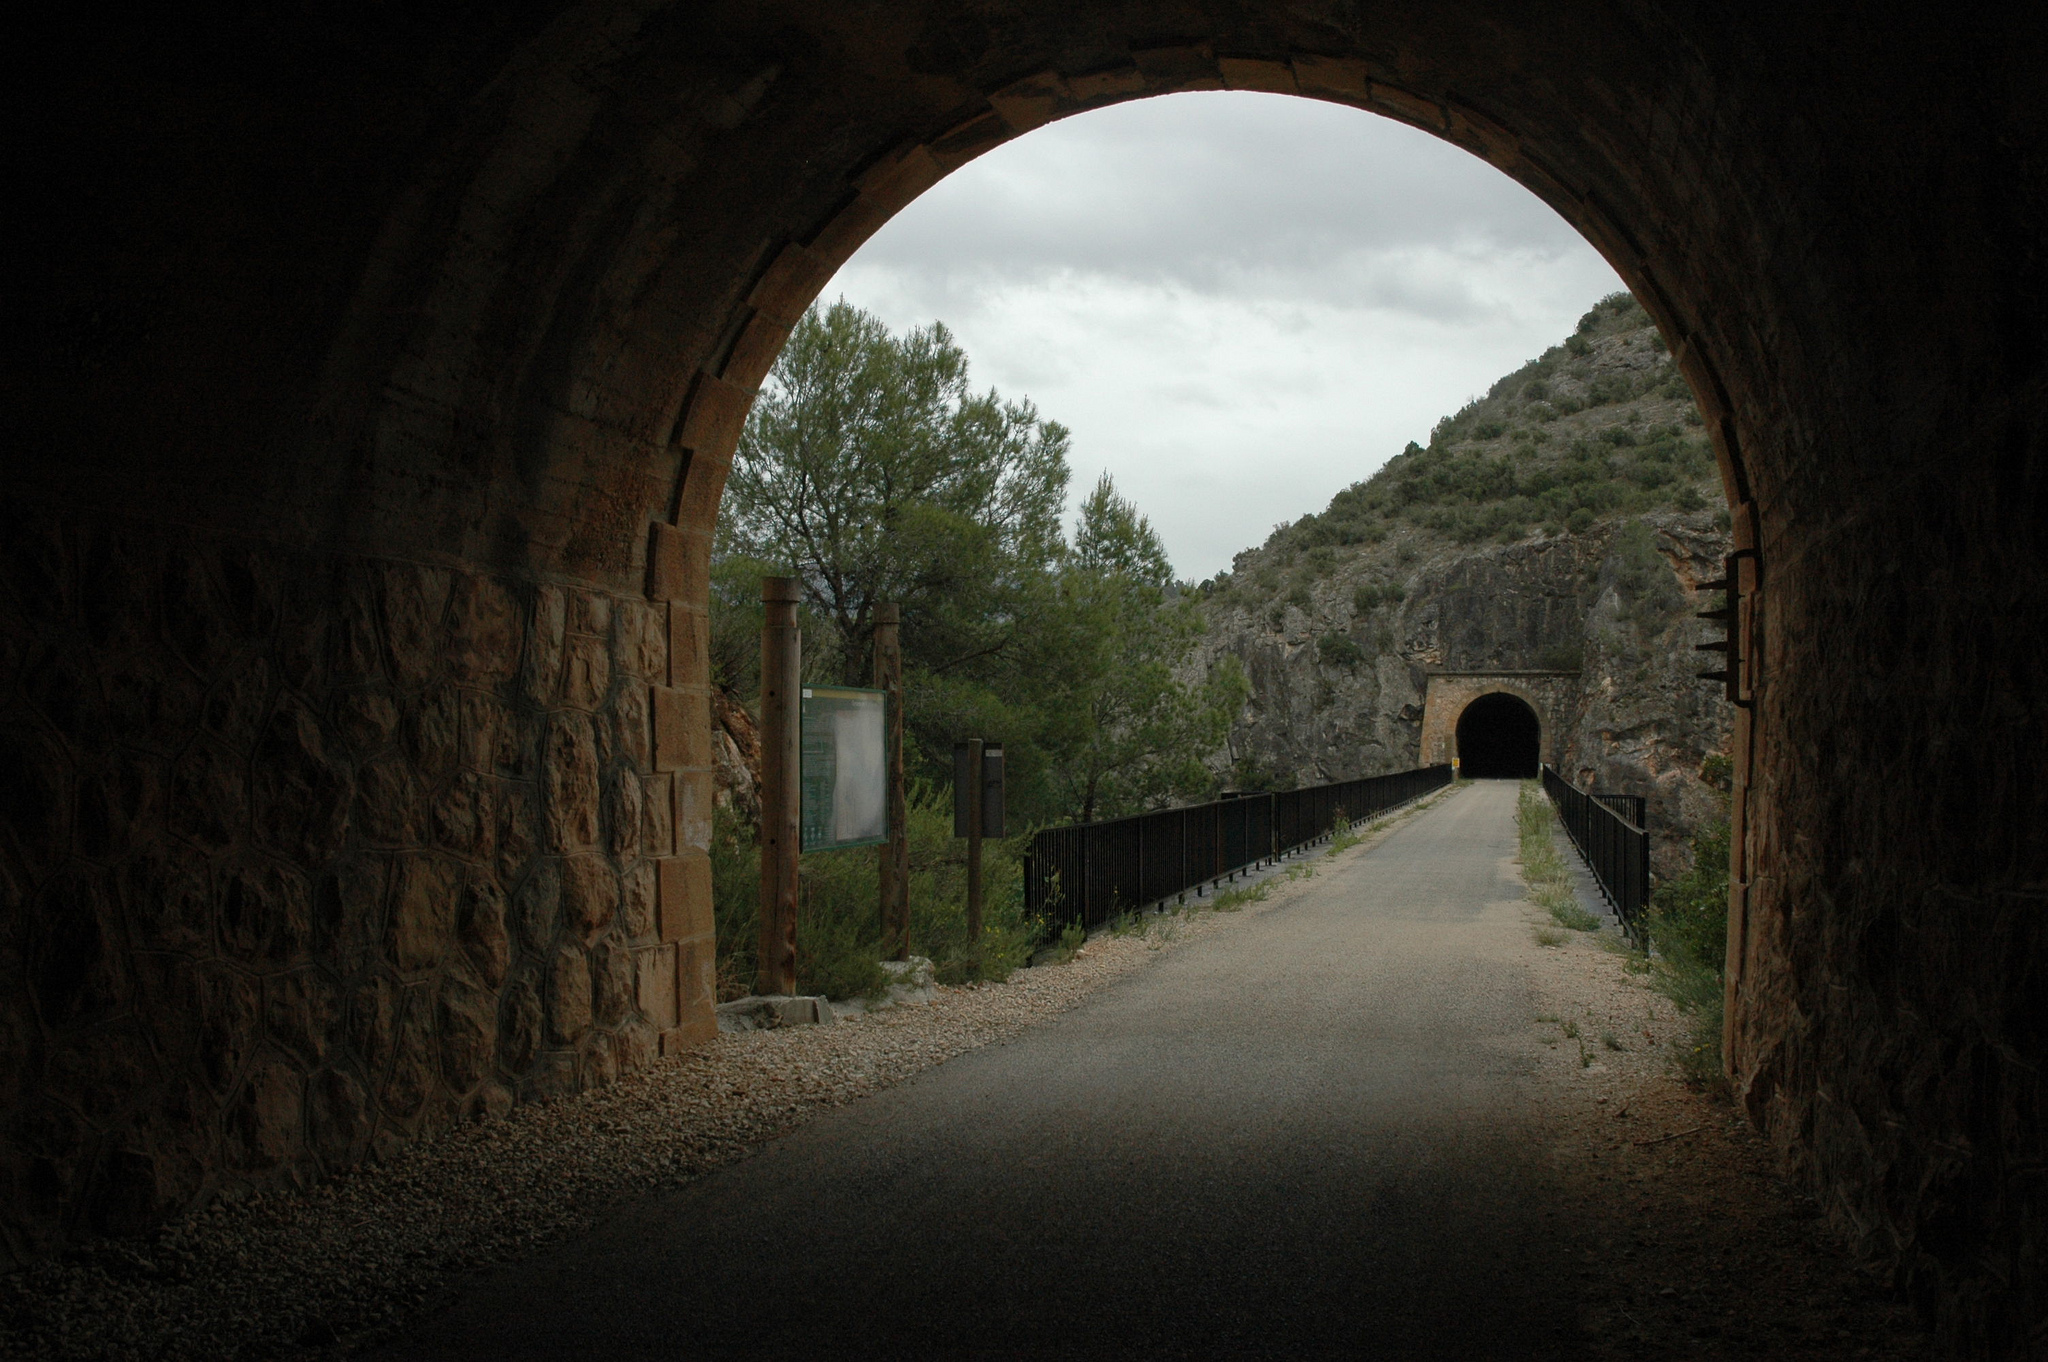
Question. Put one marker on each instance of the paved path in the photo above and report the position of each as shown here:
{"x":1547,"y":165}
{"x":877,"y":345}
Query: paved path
{"x":1314,"y":1132}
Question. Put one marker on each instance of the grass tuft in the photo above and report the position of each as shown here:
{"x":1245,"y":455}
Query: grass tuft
{"x":1543,"y":869}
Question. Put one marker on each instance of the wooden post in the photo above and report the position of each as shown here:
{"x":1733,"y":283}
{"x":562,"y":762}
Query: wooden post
{"x":894,"y":854}
{"x":974,"y":821}
{"x":781,"y":795}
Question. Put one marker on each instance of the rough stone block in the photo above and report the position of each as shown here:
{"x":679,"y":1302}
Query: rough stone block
{"x":782,"y":294}
{"x":590,"y":613}
{"x":1248,"y":73}
{"x":586,"y":671}
{"x":538,"y":906}
{"x":695,"y":799}
{"x":209,"y":800}
{"x":483,"y":631}
{"x":655,"y":985}
{"x":755,"y":351}
{"x":569,"y":783}
{"x":1117,"y":82}
{"x":689,"y":644}
{"x":626,"y":815}
{"x":698,"y":505}
{"x":302,"y":1014}
{"x":1408,"y":106}
{"x":614,"y":979}
{"x":568,"y":995}
{"x":1033,"y":101}
{"x":482,"y":930}
{"x":697,"y":980}
{"x":664,"y":562}
{"x":1339,"y":78}
{"x":373,"y":1021}
{"x":520,"y":1024}
{"x":415,"y":603}
{"x":265,"y":912}
{"x":433,"y":731}
{"x":718,"y":409}
{"x":590,"y":895}
{"x":684,"y":896}
{"x":840,"y":238}
{"x":657,"y":816}
{"x":267,"y":1118}
{"x":543,"y":665}
{"x":299,"y":793}
{"x":338,"y":1118}
{"x":632,"y":735}
{"x":465,"y":816}
{"x":467,"y":1025}
{"x":1178,"y":68}
{"x":682,"y":728}
{"x":388,"y":810}
{"x":414,"y":1075}
{"x":423,"y":914}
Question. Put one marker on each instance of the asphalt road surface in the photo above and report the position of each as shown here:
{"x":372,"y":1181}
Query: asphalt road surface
{"x":1316,"y":1133}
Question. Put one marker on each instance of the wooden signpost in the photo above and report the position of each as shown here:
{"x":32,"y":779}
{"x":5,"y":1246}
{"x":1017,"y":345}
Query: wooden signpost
{"x":977,"y":813}
{"x":893,"y":854}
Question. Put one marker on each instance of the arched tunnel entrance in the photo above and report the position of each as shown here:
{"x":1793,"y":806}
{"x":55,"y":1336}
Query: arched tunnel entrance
{"x":1499,"y":737}
{"x":374,"y":382}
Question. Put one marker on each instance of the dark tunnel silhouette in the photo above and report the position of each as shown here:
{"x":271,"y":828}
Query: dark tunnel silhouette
{"x":1498,"y":736}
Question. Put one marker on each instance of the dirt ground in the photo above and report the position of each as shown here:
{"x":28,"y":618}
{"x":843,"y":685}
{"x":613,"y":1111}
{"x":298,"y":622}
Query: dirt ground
{"x":1693,"y":1245}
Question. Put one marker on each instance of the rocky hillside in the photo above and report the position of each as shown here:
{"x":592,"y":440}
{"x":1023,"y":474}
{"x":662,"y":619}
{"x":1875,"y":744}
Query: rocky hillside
{"x":1557,"y":524}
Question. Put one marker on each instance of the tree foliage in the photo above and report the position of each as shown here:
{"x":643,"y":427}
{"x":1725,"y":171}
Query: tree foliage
{"x":872,"y":471}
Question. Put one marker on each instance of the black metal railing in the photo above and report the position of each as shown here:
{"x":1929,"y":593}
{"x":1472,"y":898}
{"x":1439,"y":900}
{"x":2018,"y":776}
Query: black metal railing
{"x":1090,"y":872}
{"x":1616,"y":847}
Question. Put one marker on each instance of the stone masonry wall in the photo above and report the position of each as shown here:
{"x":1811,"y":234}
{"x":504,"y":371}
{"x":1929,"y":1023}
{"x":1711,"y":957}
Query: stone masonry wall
{"x":304,"y":857}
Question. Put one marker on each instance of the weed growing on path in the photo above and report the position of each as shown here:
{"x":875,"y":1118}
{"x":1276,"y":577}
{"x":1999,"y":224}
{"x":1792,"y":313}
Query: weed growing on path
{"x":1543,"y":870}
{"x":1234,"y":899}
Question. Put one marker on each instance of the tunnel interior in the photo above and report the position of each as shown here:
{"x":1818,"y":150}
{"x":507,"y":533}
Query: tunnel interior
{"x":1499,"y":738}
{"x":378,"y":379}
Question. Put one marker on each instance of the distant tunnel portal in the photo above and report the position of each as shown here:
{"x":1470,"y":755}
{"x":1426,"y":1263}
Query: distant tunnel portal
{"x":1499,"y":737}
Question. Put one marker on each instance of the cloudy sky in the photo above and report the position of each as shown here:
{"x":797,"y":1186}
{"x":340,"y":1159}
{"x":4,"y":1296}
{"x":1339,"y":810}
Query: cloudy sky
{"x":1239,"y":303}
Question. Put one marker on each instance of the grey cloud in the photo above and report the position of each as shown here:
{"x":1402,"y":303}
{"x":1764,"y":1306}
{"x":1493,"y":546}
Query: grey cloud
{"x":1222,"y":194}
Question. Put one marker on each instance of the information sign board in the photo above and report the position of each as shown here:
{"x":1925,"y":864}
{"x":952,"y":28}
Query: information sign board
{"x":845,"y":773}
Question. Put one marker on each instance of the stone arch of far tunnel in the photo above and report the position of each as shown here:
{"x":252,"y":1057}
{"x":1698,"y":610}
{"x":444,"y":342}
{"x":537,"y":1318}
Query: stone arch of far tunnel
{"x":1499,"y":737}
{"x":371,"y":385}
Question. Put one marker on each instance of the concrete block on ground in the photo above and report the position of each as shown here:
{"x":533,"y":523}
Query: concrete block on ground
{"x":770,"y":1011}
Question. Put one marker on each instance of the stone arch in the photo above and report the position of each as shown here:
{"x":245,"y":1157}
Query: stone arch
{"x":379,"y":383}
{"x":1550,"y":695}
{"x":1490,"y":737}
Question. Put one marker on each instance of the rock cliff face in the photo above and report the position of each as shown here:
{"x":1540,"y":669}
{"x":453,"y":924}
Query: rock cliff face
{"x":1490,"y":552}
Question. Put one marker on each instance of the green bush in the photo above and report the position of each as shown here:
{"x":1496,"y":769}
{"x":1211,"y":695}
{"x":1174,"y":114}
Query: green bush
{"x":1689,"y":914}
{"x":839,"y":935}
{"x":1337,"y":650}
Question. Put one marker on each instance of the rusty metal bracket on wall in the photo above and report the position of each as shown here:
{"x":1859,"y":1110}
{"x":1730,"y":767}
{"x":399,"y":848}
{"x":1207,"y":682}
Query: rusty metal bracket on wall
{"x":1730,"y":614}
